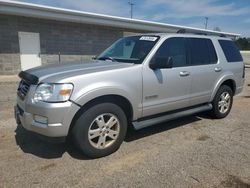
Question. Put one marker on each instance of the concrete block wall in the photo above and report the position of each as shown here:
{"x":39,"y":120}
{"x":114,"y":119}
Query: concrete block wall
{"x":9,"y":63}
{"x":75,"y":42}
{"x":50,"y":59}
{"x":246,"y":57}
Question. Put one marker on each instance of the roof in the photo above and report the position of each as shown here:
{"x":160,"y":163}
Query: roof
{"x":47,"y":12}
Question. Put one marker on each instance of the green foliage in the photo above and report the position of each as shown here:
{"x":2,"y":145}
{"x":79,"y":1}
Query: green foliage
{"x":243,"y":43}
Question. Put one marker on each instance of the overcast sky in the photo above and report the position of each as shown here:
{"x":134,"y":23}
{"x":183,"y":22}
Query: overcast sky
{"x":228,"y":15}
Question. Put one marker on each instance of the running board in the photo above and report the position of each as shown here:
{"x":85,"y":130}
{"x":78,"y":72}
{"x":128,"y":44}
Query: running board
{"x":148,"y":122}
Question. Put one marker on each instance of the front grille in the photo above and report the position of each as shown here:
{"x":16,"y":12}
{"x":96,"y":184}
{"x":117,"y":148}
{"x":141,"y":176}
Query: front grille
{"x":23,"y":89}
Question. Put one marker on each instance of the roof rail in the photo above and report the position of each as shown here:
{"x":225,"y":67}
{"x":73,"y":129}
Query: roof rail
{"x":182,"y":31}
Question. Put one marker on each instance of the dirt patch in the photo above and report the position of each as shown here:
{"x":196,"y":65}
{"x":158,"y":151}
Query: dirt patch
{"x":233,"y":181}
{"x":46,"y":167}
{"x":197,"y":126}
{"x":110,"y":168}
{"x":203,"y":137}
{"x":127,"y":161}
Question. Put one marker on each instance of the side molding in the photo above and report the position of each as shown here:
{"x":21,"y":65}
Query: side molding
{"x":148,"y":122}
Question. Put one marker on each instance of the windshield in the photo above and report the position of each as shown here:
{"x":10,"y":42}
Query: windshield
{"x":132,"y":49}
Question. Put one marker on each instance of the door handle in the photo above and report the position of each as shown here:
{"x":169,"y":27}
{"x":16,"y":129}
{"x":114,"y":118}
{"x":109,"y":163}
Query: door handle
{"x":184,"y":73}
{"x":217,"y":69}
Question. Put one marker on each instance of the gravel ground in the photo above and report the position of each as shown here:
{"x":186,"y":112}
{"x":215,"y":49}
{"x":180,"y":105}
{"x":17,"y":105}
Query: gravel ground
{"x":194,"y":151}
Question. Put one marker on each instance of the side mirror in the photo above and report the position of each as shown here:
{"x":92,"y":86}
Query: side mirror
{"x":161,"y":63}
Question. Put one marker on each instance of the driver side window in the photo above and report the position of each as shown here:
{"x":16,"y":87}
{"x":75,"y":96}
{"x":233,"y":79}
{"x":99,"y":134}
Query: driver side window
{"x":174,"y":48}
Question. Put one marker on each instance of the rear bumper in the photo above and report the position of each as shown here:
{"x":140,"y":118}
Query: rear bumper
{"x":240,"y":88}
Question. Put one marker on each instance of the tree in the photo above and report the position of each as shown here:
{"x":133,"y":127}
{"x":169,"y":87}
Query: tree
{"x":243,"y":44}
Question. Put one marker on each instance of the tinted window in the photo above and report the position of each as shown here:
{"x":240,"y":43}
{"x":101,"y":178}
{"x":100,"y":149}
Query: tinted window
{"x":175,"y":48}
{"x":212,"y":53}
{"x":202,"y":51}
{"x":230,"y":50}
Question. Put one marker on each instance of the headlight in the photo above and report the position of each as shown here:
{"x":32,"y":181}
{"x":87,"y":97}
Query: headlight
{"x":53,"y":92}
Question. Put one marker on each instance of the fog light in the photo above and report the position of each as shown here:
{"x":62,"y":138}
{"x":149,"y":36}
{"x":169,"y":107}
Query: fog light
{"x":41,"y":119}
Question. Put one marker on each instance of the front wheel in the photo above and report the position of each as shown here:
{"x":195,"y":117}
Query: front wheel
{"x":100,"y":130}
{"x":222,"y":102}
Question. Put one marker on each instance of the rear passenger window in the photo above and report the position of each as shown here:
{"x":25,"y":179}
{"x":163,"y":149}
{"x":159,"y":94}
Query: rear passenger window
{"x":175,"y":48}
{"x":202,"y":51}
{"x":230,"y":50}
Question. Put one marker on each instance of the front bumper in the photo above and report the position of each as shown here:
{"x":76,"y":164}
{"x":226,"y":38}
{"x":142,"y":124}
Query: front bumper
{"x":59,"y":116}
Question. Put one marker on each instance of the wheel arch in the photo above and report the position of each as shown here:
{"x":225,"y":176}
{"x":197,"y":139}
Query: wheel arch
{"x":229,"y":81}
{"x":119,"y":100}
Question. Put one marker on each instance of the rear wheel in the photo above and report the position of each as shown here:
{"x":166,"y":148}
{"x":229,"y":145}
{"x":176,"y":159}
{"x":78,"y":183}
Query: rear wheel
{"x":100,"y":130}
{"x":222,"y":102}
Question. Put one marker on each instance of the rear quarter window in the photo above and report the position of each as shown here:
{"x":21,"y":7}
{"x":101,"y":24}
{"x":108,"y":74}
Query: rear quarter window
{"x":202,"y":51}
{"x":231,"y":51}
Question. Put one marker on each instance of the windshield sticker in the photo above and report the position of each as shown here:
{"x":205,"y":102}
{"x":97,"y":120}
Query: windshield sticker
{"x":148,"y":38}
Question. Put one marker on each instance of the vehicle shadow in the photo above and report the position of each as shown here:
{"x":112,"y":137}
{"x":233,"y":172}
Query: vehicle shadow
{"x":32,"y":144}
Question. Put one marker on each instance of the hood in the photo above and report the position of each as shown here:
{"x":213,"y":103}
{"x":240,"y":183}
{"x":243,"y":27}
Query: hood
{"x":64,"y":70}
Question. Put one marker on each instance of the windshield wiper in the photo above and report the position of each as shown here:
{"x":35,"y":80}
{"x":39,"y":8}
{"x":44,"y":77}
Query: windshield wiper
{"x":107,"y":58}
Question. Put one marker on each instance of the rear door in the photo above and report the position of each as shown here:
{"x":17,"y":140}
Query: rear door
{"x":205,"y":69}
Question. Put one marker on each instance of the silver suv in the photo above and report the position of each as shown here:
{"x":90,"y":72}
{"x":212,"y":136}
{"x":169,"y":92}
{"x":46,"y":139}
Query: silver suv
{"x":138,"y":81}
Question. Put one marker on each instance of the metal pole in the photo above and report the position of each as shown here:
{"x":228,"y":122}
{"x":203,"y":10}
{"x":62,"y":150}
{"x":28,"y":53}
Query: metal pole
{"x":131,"y":8}
{"x":59,"y":57}
{"x":206,"y":22}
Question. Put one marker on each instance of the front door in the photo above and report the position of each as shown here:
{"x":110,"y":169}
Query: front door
{"x":29,"y":50}
{"x":167,"y":89}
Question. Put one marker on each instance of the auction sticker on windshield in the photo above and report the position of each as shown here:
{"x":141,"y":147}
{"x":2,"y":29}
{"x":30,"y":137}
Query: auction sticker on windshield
{"x":148,"y":38}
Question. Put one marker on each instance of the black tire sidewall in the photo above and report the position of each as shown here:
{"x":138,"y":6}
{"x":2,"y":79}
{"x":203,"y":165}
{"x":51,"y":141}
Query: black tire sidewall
{"x":216,"y":112}
{"x":81,"y":128}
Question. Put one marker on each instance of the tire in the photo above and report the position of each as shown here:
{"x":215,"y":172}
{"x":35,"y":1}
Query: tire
{"x":217,"y":112}
{"x":92,"y":133}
